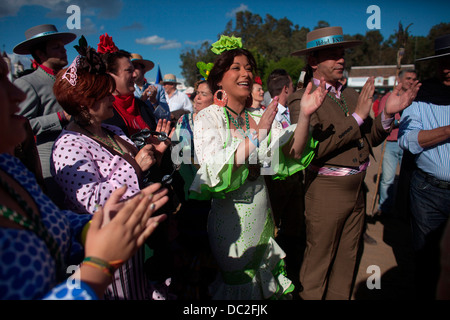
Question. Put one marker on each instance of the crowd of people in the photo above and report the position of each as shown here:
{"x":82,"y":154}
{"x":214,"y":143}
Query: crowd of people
{"x":152,"y":194}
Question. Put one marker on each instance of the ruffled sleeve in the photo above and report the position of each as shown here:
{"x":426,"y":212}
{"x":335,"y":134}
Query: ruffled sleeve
{"x":276,"y":163}
{"x":215,"y":150}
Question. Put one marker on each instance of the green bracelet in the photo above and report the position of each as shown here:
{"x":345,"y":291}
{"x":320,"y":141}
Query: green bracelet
{"x":110,"y":266}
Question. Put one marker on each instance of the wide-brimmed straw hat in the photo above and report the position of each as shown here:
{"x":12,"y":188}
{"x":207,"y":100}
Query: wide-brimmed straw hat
{"x":148,"y":65}
{"x":441,"y":48}
{"x":170,"y":78}
{"x":325,"y":38}
{"x":40,"y":33}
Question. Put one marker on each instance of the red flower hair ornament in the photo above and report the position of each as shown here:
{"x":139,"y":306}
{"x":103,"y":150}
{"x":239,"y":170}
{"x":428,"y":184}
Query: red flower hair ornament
{"x":106,"y":44}
{"x":258,"y":80}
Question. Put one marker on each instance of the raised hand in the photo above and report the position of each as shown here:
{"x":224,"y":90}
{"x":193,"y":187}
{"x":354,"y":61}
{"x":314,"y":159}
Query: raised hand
{"x":265,"y":124}
{"x":399,"y":100}
{"x":364,"y":104}
{"x":162,"y":126}
{"x":312,"y":101}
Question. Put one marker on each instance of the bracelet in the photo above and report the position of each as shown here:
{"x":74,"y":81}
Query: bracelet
{"x":253,"y":137}
{"x":107,"y":267}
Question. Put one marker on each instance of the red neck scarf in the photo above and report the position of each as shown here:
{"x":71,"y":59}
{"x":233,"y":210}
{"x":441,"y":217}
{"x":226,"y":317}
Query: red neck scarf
{"x":129,"y":111}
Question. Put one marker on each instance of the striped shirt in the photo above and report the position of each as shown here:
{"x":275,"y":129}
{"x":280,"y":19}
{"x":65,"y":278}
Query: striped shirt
{"x":426,"y":116}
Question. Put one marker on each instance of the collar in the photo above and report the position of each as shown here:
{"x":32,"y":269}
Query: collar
{"x":330,"y":88}
{"x":47,"y":69}
{"x":282,"y":109}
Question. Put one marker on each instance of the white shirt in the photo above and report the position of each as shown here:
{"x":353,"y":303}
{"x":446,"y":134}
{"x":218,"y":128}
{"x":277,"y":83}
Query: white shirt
{"x":283,"y":115}
{"x":179,"y":101}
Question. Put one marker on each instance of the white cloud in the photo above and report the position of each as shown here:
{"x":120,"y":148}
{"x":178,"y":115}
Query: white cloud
{"x":152,"y":40}
{"x":171,"y":44}
{"x":159,"y":41}
{"x":232,"y":13}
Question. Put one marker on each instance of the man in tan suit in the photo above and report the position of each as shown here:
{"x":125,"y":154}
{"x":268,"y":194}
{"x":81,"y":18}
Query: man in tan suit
{"x":334,"y":202}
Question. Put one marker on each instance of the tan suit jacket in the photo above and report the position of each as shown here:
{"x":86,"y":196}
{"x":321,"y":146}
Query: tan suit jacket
{"x":341,"y":141}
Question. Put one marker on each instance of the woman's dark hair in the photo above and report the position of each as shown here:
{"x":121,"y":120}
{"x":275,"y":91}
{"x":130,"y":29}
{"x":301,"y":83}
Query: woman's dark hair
{"x":89,"y":88}
{"x":110,"y":59}
{"x":223,"y":63}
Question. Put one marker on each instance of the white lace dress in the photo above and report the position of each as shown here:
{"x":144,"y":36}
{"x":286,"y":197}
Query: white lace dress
{"x":240,"y":224}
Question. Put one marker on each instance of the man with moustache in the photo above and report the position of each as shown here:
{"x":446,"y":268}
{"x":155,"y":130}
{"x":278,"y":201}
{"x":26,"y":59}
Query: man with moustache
{"x":46,"y":116}
{"x":334,"y":195}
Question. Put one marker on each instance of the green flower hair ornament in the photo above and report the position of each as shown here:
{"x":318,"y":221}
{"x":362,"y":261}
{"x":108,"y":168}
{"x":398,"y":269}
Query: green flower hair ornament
{"x":204,"y":68}
{"x":226,"y":43}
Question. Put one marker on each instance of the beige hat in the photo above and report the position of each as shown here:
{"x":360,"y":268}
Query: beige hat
{"x":148,"y":65}
{"x":325,"y":38}
{"x":170,"y":78}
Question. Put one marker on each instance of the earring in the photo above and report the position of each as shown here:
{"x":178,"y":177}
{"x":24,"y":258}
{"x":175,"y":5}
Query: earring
{"x":221,"y":102}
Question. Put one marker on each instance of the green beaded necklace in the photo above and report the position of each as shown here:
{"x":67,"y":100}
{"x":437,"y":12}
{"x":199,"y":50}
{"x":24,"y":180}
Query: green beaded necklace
{"x":343,"y":107}
{"x":239,"y":123}
{"x":254,"y":170}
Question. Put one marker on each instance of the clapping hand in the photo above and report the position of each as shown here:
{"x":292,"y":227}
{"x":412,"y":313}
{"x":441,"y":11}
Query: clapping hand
{"x":114,"y":203}
{"x":399,"y":100}
{"x":365,"y":99}
{"x":127,"y":230}
{"x":312,"y":101}
{"x":265,"y":124}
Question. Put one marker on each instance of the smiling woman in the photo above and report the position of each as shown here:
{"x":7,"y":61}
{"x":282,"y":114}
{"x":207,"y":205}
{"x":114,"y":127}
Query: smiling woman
{"x":231,"y":153}
{"x":91,"y":159}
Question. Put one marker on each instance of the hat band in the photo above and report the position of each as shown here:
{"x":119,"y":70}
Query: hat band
{"x":42,"y":34}
{"x":324,"y":40}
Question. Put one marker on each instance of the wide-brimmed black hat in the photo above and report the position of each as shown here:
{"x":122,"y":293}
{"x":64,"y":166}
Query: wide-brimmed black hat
{"x":43,"y":32}
{"x":325,"y":38}
{"x":441,"y":48}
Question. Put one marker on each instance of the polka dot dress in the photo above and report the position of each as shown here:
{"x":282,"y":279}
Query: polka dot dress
{"x":27,"y":269}
{"x":88,"y":173}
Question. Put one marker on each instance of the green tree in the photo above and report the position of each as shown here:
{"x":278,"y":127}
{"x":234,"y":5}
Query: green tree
{"x":189,"y":59}
{"x":272,"y":41}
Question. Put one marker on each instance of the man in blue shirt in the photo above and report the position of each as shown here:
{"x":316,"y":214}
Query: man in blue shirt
{"x":425,"y":132}
{"x":152,"y":95}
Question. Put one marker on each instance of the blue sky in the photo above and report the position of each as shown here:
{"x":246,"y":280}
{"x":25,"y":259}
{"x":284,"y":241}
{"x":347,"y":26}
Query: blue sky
{"x":161,"y":30}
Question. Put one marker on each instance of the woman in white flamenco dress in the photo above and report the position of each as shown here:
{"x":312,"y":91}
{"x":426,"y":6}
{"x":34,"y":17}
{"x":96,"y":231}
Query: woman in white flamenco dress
{"x":233,"y":158}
